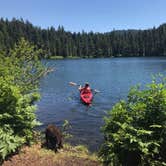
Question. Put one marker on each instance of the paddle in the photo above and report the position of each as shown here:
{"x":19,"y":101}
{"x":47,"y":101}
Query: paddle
{"x":75,"y":84}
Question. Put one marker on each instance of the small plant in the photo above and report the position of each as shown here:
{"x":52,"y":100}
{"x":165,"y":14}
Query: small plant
{"x":65,"y":128}
{"x":9,"y":142}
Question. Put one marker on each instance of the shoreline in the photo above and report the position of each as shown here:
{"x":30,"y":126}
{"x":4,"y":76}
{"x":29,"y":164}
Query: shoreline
{"x":37,"y":156}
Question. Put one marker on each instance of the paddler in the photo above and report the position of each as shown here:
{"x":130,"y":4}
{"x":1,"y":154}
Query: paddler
{"x":85,"y":89}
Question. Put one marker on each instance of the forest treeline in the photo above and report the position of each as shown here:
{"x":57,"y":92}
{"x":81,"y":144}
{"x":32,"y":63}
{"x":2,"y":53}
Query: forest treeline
{"x":58,"y":42}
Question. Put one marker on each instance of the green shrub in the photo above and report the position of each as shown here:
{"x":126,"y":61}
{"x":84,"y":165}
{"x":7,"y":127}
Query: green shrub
{"x":9,"y":142}
{"x":19,"y":77}
{"x":135,"y":130}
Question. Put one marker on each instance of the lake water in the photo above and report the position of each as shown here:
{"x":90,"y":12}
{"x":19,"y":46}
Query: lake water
{"x":113,"y":77}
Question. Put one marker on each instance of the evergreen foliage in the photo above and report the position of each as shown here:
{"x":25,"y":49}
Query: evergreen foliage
{"x":20,"y":70}
{"x":135,"y":130}
{"x":58,"y":42}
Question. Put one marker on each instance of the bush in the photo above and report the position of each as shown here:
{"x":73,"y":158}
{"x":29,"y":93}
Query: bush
{"x":135,"y":130}
{"x":9,"y":142}
{"x":19,"y":77}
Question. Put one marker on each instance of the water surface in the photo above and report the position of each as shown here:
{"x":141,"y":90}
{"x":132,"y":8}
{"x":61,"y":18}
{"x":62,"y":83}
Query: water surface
{"x":113,"y":77}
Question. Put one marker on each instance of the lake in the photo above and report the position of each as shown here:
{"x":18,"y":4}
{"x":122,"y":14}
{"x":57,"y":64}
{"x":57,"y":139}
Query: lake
{"x":113,"y":77}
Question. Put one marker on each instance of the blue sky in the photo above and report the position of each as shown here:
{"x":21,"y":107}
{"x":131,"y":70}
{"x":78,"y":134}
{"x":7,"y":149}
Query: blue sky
{"x":87,"y":15}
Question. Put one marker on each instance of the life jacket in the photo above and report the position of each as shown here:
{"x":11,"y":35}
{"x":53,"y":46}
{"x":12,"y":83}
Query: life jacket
{"x":85,"y":90}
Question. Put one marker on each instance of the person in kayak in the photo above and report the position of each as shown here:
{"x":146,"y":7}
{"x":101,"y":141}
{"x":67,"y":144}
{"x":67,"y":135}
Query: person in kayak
{"x":85,"y":89}
{"x":86,"y":94}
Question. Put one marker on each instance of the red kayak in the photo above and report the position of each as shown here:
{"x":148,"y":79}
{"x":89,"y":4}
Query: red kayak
{"x":86,"y":97}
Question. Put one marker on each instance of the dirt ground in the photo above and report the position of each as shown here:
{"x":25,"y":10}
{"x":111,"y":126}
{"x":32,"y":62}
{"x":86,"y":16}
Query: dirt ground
{"x":37,"y":156}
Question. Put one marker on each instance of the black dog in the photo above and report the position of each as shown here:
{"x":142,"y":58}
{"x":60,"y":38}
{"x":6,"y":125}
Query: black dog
{"x":53,"y":137}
